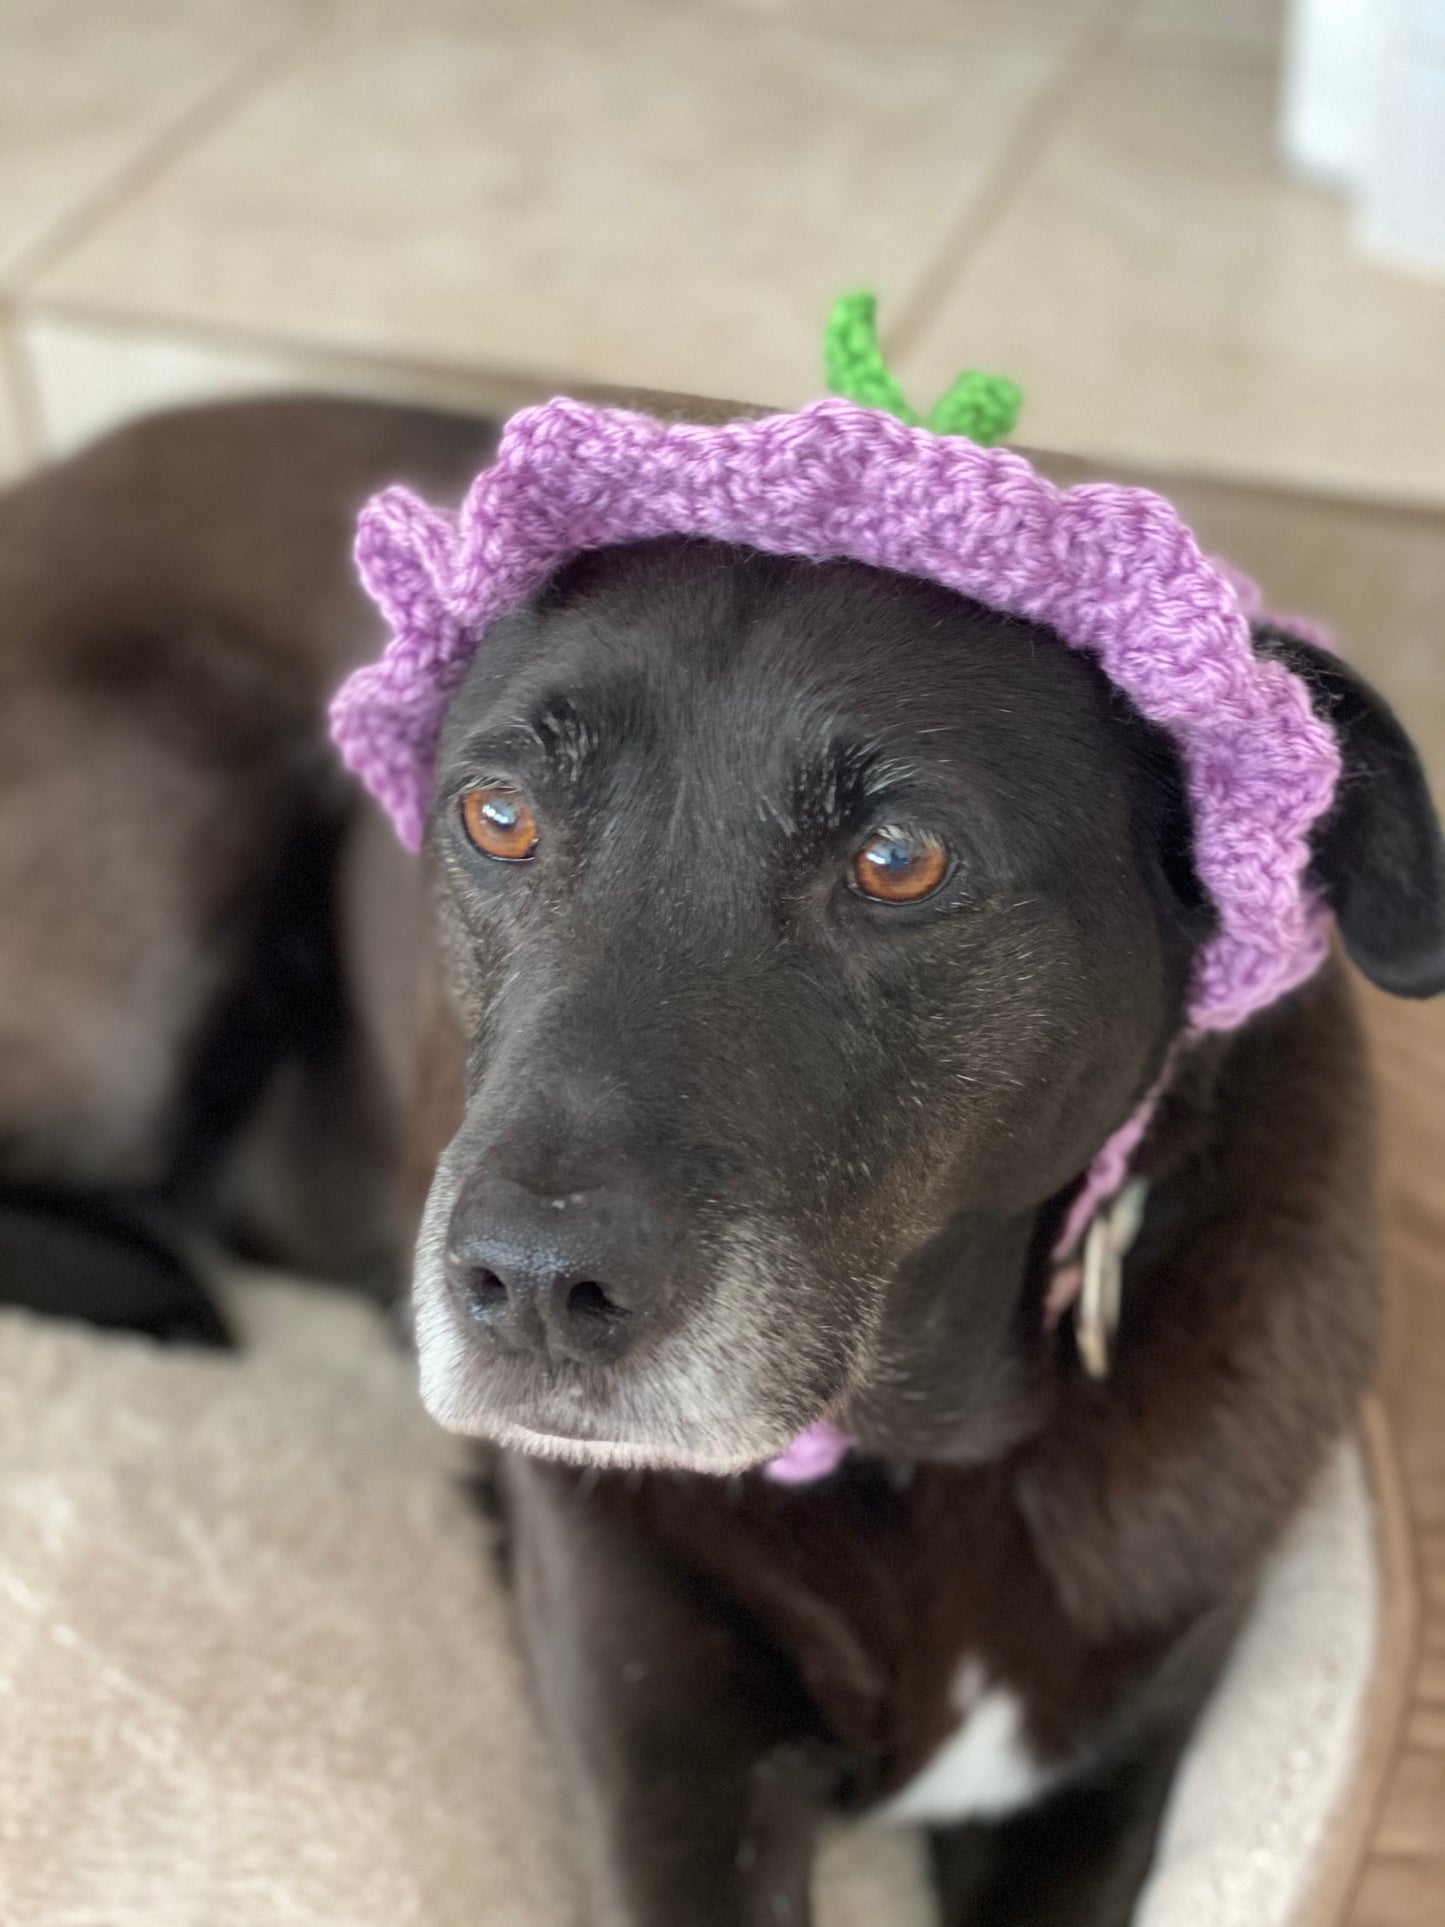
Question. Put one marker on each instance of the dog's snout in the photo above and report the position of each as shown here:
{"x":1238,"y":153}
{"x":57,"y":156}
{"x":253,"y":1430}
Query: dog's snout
{"x":567,"y":1275}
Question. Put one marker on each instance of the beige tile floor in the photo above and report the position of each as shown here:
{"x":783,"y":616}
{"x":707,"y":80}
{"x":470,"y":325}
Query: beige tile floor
{"x":91,"y":95}
{"x":1169,"y":298}
{"x":657,"y":194}
{"x":11,"y":438}
{"x":444,"y":198}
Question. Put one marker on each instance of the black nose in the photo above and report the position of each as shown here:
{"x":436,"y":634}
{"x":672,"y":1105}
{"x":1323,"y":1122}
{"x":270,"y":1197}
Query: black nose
{"x":557,"y":1275}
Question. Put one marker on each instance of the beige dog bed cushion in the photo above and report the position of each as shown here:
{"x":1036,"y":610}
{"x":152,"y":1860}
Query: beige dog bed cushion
{"x":256,"y":1667}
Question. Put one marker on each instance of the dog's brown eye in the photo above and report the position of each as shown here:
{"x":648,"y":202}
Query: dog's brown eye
{"x":500,"y":822}
{"x":895,"y":866}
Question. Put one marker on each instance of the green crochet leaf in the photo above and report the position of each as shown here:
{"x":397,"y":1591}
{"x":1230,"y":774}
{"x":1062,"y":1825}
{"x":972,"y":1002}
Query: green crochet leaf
{"x":983,"y":407}
{"x":854,"y":361}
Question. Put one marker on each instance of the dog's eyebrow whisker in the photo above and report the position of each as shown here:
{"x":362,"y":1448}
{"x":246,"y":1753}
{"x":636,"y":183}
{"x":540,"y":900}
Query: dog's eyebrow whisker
{"x":844,"y":784}
{"x":563,"y":734}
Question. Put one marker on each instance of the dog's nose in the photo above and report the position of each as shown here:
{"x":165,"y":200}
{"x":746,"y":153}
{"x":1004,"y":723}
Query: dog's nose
{"x":565,"y":1275}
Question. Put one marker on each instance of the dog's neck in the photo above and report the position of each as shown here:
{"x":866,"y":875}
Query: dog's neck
{"x":970,"y":1364}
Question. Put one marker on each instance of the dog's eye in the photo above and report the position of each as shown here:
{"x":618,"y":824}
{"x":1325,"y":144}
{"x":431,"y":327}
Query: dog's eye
{"x":897,"y":866}
{"x":500,"y":822}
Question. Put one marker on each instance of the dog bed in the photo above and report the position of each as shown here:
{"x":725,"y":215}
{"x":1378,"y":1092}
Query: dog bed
{"x":256,"y":1664}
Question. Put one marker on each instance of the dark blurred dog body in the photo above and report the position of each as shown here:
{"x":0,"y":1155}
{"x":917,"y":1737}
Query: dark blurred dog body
{"x":176,"y":1029}
{"x":851,"y":1140}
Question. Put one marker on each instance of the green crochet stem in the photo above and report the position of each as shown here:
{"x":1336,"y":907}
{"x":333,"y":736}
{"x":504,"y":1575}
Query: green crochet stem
{"x":983,"y":407}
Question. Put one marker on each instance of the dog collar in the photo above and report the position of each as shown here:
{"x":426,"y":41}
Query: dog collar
{"x":1113,"y":571}
{"x":1090,"y":1277}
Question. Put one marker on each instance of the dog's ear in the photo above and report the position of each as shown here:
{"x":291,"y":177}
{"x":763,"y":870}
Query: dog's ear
{"x":1379,"y":857}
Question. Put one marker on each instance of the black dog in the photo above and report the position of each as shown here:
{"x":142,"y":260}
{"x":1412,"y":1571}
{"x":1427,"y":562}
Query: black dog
{"x":747,"y":1138}
{"x":803,"y":932}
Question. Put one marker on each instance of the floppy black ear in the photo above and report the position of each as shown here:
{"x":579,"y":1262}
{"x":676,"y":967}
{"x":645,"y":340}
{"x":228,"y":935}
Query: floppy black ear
{"x":1378,"y":854}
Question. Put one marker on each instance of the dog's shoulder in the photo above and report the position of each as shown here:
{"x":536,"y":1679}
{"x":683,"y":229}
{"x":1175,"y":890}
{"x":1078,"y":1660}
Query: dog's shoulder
{"x":1251,"y":1318}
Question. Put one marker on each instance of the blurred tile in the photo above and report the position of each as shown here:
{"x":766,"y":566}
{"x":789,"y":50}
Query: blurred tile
{"x":12,"y":440}
{"x":1209,"y":25}
{"x":952,"y":20}
{"x":614,"y":191}
{"x":1166,"y":297}
{"x":86,"y":89}
{"x":1410,"y":1823}
{"x":87,"y":379}
{"x":89,"y":376}
{"x":1400,"y":1893}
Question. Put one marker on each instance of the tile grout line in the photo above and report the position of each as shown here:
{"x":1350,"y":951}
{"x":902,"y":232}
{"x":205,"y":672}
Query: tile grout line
{"x":297,"y":353}
{"x":1016,"y":165}
{"x":203,"y":118}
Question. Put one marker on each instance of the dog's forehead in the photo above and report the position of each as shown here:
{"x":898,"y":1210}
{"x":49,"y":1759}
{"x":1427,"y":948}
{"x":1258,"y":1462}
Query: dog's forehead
{"x":714,"y":639}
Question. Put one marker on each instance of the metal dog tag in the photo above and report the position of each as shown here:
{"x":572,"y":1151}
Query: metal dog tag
{"x":1106,"y":1245}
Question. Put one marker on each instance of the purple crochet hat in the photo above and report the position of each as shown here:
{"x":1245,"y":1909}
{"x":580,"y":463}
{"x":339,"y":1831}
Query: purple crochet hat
{"x":1111,"y":570}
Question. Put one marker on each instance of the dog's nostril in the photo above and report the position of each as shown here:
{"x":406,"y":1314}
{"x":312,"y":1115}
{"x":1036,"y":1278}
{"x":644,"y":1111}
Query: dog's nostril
{"x":483,"y":1295}
{"x":589,"y":1300}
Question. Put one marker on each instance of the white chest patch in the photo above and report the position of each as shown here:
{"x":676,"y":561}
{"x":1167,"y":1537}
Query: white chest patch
{"x":984,"y":1769}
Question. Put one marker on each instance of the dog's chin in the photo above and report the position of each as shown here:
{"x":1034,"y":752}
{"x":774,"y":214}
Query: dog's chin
{"x":717,"y":1455}
{"x":623,"y":1455}
{"x":647,"y":1426}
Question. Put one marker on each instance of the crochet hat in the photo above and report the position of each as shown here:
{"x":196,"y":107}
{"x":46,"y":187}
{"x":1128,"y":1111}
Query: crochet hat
{"x":1110,"y":570}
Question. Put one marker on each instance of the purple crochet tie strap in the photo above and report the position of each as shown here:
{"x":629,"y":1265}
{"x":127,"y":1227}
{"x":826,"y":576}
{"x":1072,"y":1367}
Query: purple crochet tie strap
{"x":1111,"y":570}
